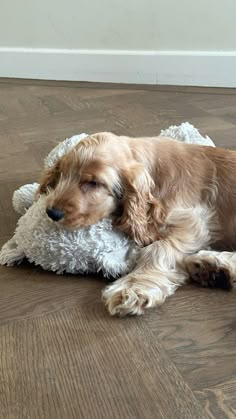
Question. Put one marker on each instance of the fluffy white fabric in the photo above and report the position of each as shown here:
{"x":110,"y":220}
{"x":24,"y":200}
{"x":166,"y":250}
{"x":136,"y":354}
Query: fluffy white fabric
{"x":187,"y":133}
{"x":89,"y":250}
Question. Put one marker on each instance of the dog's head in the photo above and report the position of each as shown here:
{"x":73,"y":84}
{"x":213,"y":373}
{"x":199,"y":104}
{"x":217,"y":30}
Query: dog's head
{"x":84,"y":185}
{"x":93,"y":180}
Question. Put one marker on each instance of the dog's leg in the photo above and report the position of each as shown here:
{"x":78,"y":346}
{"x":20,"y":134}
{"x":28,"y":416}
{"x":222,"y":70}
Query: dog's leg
{"x":212,"y":269}
{"x":159,"y":270}
{"x":147,"y":286}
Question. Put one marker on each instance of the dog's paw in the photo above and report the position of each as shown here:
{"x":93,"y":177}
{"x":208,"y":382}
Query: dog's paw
{"x":125,"y":297}
{"x":208,"y":271}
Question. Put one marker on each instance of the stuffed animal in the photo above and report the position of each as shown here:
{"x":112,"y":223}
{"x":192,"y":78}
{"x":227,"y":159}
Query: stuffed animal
{"x":98,"y":248}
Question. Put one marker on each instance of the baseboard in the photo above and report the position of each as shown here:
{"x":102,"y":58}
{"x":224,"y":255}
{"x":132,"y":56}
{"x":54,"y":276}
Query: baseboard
{"x":189,"y":68}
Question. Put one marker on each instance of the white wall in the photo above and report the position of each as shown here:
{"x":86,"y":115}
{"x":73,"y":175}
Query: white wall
{"x":113,"y":26}
{"x":119,"y":24}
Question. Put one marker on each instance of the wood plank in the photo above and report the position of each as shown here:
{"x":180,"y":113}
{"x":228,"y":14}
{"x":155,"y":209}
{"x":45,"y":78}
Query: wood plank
{"x":70,"y":364}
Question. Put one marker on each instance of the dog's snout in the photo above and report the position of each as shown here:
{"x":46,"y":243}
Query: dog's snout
{"x":55,"y":214}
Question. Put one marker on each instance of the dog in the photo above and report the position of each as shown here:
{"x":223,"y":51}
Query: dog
{"x":176,"y":200}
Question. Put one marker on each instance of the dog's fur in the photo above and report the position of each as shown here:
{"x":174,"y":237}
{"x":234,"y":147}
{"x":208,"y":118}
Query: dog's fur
{"x":176,"y":199}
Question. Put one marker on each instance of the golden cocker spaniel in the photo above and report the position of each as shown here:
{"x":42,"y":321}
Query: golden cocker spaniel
{"x":174,"y":199}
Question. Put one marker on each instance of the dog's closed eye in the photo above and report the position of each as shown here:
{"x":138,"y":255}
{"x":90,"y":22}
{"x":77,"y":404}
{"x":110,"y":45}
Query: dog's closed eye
{"x":91,"y":184}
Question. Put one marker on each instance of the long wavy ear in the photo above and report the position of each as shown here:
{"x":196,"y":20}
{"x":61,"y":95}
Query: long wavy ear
{"x":142,"y":213}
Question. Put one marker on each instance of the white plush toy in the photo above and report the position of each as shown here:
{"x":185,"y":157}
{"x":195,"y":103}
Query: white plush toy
{"x":98,"y":248}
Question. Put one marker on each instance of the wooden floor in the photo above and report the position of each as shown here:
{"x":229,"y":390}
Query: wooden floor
{"x":61,"y":355}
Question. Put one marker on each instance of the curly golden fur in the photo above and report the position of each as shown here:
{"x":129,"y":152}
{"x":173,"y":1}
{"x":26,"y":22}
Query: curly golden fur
{"x":175,"y":199}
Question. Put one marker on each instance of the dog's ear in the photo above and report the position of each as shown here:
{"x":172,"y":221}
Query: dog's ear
{"x":142,"y":213}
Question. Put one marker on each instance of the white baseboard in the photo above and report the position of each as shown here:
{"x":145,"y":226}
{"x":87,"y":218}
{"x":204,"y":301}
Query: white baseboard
{"x":139,"y":67}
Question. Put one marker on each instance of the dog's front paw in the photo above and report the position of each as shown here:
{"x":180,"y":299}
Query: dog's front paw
{"x":127,"y":297}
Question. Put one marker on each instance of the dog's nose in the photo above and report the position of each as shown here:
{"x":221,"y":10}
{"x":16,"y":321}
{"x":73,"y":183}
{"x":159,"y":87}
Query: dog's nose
{"x":55,"y":214}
